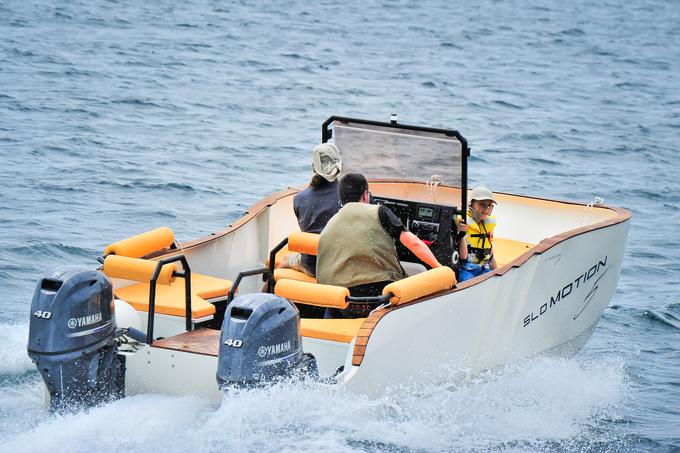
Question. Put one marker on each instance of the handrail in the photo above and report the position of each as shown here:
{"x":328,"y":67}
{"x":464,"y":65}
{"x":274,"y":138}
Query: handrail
{"x":381,"y":299}
{"x":186,"y":275}
{"x":272,"y":264}
{"x":265,"y":271}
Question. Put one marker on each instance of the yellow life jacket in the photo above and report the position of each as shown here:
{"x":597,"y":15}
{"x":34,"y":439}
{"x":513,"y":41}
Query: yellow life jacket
{"x":479,"y":237}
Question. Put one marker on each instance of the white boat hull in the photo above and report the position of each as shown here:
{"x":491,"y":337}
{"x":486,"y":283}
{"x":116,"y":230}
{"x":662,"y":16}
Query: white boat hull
{"x":549,"y":304}
{"x":547,"y":301}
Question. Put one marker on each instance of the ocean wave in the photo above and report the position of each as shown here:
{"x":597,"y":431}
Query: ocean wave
{"x":136,"y":102}
{"x":140,"y":184}
{"x":542,"y":403}
{"x":543,"y":161}
{"x":572,"y":32}
{"x":663,"y":317}
{"x":51,"y":250}
{"x":13,"y":356}
{"x":56,"y":188}
{"x":508,"y":104}
{"x":451,"y":45}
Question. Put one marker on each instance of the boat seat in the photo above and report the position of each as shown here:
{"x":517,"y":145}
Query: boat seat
{"x":298,"y":242}
{"x":308,"y":243}
{"x":292,"y":274}
{"x":170,"y":298}
{"x":123,"y":261}
{"x":507,"y":250}
{"x":339,"y":330}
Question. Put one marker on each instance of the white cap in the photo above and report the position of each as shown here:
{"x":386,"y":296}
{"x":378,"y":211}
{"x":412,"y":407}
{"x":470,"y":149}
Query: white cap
{"x":327,"y":162}
{"x":482,"y":193}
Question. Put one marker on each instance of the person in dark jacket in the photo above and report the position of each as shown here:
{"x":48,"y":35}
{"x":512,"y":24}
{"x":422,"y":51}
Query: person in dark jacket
{"x":315,"y":205}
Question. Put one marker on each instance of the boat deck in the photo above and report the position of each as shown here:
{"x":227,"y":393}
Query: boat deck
{"x":507,"y":250}
{"x":207,"y":341}
{"x":201,"y":341}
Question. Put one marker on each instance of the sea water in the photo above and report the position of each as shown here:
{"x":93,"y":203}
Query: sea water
{"x":117,"y":117}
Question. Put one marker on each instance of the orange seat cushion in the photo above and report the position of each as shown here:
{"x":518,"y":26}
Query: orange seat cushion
{"x":340,"y":330}
{"x":209,"y":287}
{"x":292,"y":274}
{"x":170,"y":298}
{"x":420,"y":285}
{"x":506,"y":250}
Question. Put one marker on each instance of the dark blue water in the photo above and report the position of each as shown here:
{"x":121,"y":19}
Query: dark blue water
{"x":117,"y":117}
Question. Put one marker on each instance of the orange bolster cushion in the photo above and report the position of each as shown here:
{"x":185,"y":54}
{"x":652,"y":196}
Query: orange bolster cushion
{"x":292,"y":274}
{"x":420,"y":285}
{"x":136,"y":269}
{"x":313,"y":293}
{"x":307,"y":243}
{"x":142,"y":244}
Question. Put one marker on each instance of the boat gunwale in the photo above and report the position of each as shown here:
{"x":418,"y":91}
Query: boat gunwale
{"x":258,"y":207}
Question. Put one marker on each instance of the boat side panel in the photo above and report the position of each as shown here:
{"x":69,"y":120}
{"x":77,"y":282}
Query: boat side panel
{"x":329,"y":355}
{"x":164,"y":325}
{"x":506,"y":317}
{"x":156,"y":370}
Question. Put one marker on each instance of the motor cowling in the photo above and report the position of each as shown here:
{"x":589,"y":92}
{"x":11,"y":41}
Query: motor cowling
{"x":260,"y":342}
{"x":72,"y":337}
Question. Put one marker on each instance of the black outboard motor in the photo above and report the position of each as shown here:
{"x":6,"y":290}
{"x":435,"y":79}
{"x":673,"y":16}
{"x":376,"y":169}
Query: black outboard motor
{"x":72,"y":338}
{"x":260,"y":342}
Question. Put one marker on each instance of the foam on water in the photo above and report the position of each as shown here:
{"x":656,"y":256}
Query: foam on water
{"x":22,"y":406}
{"x":542,"y":403}
{"x":13,"y":357}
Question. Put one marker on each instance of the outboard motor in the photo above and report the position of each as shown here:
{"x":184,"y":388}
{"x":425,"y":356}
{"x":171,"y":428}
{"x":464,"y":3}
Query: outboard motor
{"x":260,"y":342}
{"x":72,"y":338}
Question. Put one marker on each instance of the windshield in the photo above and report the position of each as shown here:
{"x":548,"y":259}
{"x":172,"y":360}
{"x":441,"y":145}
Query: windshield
{"x":394,"y":151}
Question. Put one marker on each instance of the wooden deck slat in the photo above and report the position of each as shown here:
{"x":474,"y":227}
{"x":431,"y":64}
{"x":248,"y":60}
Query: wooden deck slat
{"x":361,"y":341}
{"x":201,"y":341}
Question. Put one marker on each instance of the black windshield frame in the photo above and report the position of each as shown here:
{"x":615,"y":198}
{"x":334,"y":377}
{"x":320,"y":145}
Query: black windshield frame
{"x":327,"y":134}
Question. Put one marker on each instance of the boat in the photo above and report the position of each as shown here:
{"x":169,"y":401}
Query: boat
{"x":202,"y":316}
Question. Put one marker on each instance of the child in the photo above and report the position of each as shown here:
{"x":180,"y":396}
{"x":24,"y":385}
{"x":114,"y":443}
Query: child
{"x":476,"y":249}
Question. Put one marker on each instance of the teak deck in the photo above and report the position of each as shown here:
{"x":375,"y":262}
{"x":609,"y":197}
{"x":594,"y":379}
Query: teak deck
{"x":201,"y":341}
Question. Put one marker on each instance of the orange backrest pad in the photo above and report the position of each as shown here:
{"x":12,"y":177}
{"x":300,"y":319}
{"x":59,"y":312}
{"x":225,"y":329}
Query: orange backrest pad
{"x":307,"y":243}
{"x":292,"y":274}
{"x":313,"y":293}
{"x":137,"y":269}
{"x":420,"y":285}
{"x":142,"y":244}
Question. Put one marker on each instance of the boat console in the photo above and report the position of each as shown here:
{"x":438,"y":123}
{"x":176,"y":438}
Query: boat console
{"x":391,"y":151}
{"x":432,"y":223}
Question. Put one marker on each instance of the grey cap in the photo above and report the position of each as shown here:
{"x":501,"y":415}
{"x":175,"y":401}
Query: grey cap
{"x":327,"y":162}
{"x":482,"y":193}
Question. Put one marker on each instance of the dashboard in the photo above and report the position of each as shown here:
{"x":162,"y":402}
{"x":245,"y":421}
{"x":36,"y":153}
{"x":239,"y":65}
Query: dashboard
{"x":431,"y":223}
